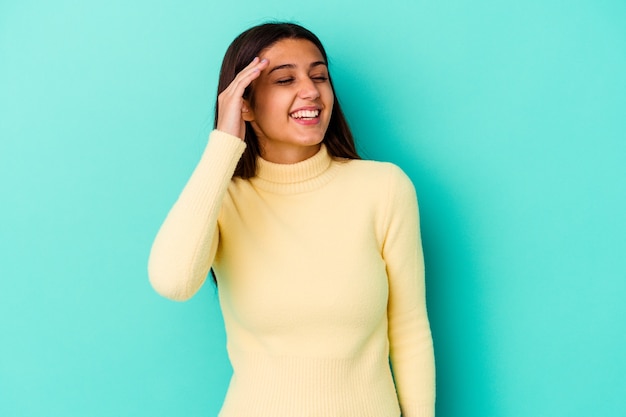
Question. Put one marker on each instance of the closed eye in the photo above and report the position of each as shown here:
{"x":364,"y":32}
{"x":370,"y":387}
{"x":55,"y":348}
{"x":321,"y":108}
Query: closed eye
{"x":284,"y":81}
{"x":320,"y":79}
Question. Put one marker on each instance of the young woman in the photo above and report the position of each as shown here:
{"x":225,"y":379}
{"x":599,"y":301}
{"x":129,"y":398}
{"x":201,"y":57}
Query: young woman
{"x":316,"y":253}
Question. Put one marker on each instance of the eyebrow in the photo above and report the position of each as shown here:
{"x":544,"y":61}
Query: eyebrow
{"x":291,"y":66}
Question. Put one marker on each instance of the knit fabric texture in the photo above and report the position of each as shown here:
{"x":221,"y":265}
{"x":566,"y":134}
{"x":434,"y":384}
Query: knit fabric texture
{"x":320,"y":280}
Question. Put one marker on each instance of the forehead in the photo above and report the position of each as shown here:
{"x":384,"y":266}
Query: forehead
{"x":292,"y":51}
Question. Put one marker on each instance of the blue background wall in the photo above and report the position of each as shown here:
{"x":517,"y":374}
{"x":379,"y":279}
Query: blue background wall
{"x":510,"y":117}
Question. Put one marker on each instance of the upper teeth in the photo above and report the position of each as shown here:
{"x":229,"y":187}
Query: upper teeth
{"x":302,"y":114}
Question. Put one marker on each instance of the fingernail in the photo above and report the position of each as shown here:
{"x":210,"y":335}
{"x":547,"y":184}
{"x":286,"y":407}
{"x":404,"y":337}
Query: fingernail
{"x":263,"y":61}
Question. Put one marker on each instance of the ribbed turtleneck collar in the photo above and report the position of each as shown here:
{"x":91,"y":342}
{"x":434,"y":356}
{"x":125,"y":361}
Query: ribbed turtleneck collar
{"x":295,"y":178}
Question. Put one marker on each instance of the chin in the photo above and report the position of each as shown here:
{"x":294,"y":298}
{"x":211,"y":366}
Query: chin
{"x":311,"y":139}
{"x":311,"y":142}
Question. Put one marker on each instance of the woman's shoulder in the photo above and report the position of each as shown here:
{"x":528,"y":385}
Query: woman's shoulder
{"x":380,"y":176}
{"x":385,"y":171}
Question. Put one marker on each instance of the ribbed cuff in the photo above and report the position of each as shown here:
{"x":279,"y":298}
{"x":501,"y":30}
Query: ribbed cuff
{"x":418,"y":411}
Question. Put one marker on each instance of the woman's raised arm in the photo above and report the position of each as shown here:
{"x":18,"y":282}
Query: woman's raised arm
{"x":185,"y":246}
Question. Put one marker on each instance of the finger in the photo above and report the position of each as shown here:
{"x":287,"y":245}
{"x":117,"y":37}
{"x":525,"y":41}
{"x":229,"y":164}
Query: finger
{"x":256,"y":65}
{"x":247,"y":75}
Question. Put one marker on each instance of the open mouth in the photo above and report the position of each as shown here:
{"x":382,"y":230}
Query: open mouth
{"x":305,"y":114}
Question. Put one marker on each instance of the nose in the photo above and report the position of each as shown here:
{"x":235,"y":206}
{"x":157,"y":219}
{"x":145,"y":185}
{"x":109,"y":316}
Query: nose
{"x":308,"y":90}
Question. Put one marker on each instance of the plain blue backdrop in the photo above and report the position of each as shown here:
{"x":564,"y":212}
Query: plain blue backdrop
{"x":510,"y":118}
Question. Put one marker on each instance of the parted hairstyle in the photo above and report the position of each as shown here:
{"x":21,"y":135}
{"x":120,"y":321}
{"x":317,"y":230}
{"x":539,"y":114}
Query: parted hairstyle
{"x":338,"y":138}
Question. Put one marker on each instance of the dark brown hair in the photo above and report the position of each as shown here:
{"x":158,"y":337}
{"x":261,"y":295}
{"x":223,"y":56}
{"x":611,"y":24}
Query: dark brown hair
{"x":338,"y":138}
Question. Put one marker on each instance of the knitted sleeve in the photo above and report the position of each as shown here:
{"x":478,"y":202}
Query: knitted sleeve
{"x":410,"y":341}
{"x":184,"y":248}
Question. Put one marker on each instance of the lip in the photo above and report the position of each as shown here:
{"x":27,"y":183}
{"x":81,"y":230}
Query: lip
{"x":307,"y":122}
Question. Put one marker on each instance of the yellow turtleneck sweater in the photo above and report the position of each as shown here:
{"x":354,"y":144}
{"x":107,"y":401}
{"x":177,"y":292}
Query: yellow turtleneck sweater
{"x":320,"y":278}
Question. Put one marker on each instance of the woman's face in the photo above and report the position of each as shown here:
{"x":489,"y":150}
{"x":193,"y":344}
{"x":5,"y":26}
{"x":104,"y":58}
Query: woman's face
{"x":293,"y":101}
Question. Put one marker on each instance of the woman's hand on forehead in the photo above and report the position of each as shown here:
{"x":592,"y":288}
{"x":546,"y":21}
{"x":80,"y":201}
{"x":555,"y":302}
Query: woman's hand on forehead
{"x":231,"y":103}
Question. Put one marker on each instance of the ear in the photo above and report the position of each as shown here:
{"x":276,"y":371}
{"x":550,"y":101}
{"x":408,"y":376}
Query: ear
{"x":246,"y":111}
